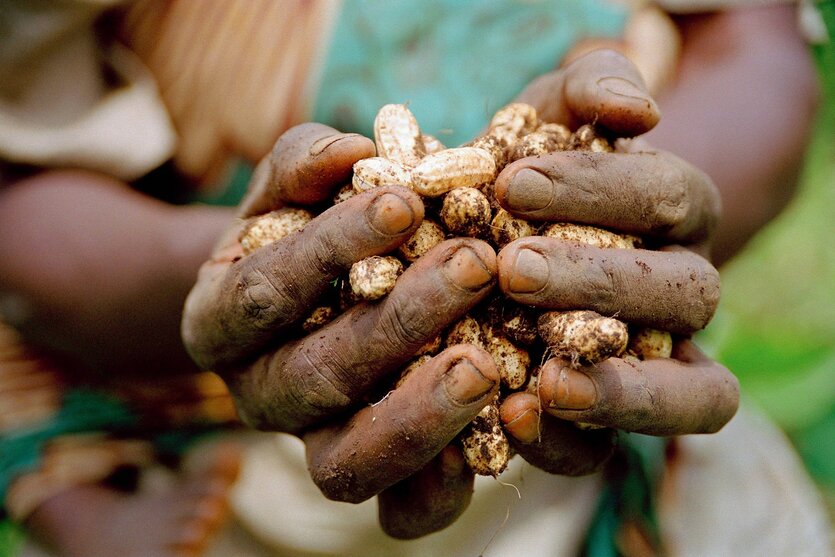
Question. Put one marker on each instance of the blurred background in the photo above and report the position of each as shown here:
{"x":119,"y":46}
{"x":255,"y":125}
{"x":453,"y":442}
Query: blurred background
{"x":775,"y":328}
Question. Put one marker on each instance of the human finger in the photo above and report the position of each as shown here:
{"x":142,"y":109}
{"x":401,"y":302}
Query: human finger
{"x":238,"y":306}
{"x":388,"y":441}
{"x":553,"y":445}
{"x":308,"y":381}
{"x":306,"y":164}
{"x":676,"y":291}
{"x":429,"y":500}
{"x":603,"y":87}
{"x":650,"y":193}
{"x":688,"y":393}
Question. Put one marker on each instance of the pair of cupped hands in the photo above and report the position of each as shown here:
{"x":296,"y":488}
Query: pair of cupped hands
{"x":239,"y":316}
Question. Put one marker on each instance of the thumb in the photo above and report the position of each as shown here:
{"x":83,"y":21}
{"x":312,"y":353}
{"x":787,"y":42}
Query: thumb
{"x":603,"y":87}
{"x":307,"y":163}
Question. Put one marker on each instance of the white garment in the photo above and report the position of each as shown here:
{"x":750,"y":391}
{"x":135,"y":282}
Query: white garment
{"x":739,"y":493}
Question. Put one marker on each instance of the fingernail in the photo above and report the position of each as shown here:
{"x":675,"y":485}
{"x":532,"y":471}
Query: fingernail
{"x":520,"y":416}
{"x":622,"y":87}
{"x":574,"y":391}
{"x":465,"y":384}
{"x":530,"y":272}
{"x":390,"y":214}
{"x":320,"y":145}
{"x":529,"y":190}
{"x":466,"y":269}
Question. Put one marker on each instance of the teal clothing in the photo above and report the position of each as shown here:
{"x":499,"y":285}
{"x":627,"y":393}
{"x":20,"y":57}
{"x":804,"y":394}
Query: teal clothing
{"x":454,"y":62}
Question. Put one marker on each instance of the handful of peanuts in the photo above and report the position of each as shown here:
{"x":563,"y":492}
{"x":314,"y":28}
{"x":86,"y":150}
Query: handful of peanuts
{"x":457,"y":187}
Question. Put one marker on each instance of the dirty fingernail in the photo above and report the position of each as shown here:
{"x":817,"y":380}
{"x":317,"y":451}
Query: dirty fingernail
{"x":574,"y":391}
{"x":390,"y":214}
{"x":520,"y":416}
{"x":530,"y":272}
{"x":465,"y":384}
{"x":320,"y":145}
{"x":622,"y":87}
{"x":529,"y":190}
{"x":466,"y":269}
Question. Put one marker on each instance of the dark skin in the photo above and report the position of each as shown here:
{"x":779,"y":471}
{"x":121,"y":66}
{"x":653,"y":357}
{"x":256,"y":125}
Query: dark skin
{"x":249,"y":369}
{"x":237,"y":311}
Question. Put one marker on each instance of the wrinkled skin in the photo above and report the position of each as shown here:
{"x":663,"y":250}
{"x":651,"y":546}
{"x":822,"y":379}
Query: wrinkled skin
{"x":238,"y":316}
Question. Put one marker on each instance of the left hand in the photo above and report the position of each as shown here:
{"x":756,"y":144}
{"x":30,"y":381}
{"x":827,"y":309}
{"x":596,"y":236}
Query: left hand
{"x":634,"y":190}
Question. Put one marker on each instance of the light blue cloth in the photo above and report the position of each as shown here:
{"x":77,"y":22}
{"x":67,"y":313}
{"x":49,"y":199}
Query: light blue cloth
{"x":454,"y":62}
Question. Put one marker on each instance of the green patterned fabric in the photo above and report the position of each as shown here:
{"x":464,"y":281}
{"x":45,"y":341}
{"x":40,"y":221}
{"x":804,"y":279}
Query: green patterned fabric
{"x":455,"y":62}
{"x":629,"y":495}
{"x":81,"y":411}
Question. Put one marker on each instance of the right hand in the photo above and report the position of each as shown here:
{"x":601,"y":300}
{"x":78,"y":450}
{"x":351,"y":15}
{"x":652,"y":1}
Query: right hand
{"x":242,"y":318}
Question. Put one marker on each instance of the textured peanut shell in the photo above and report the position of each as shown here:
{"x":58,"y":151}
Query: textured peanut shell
{"x":272,"y":227}
{"x":397,"y":135}
{"x":512,"y":361}
{"x":466,"y":212}
{"x":486,"y":449}
{"x":589,"y":235}
{"x":428,"y":235}
{"x":461,"y":167}
{"x":583,"y":336}
{"x":377,"y":171}
{"x":374,"y":277}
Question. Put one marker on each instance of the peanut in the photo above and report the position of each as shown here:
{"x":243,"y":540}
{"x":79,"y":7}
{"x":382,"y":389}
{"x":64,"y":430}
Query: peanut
{"x":486,"y":449}
{"x":377,"y":171}
{"x":428,"y":235}
{"x":583,"y":336}
{"x":461,"y":167}
{"x":374,"y":277}
{"x":397,"y":135}
{"x":466,"y":212}
{"x":272,"y":227}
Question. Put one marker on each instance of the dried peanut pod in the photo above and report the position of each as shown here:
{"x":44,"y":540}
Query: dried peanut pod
{"x":537,"y":143}
{"x":465,"y":331}
{"x":318,"y":318}
{"x":460,"y":167}
{"x":493,"y":145}
{"x":397,"y":135}
{"x":466,"y":212}
{"x":428,"y":235}
{"x":517,"y":322}
{"x":432,"y":144}
{"x":586,"y":138}
{"x":344,"y":193}
{"x":505,"y":228}
{"x":430,"y":348}
{"x":374,"y":172}
{"x":513,"y":121}
{"x":272,"y":227}
{"x":486,"y":449}
{"x":558,"y":131}
{"x":374,"y":277}
{"x":512,"y":361}
{"x":583,"y":336}
{"x":589,"y":235}
{"x":646,"y":343}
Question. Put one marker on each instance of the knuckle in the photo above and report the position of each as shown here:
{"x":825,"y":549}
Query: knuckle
{"x":405,"y":325}
{"x":259,"y":300}
{"x":673,"y":204}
